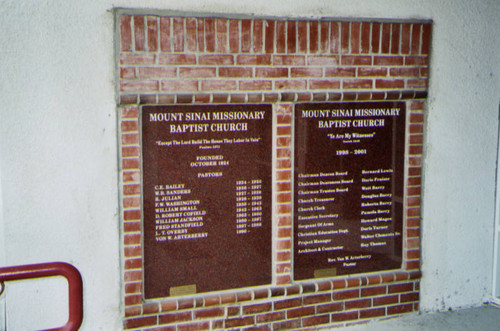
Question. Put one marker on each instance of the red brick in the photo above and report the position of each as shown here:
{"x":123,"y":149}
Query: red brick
{"x":138,"y":86}
{"x":412,"y":265}
{"x":218,"y":85}
{"x":284,"y":197}
{"x":201,"y":34}
{"x":209,"y":313}
{"x":357,"y":84}
{"x":133,"y":288}
{"x":426,"y":38}
{"x":243,"y":296}
{"x":371,"y":313}
{"x":323,"y":84}
{"x":246,"y":33}
{"x":133,"y":311}
{"x":291,"y":41}
{"x":235,"y":322}
{"x":372,"y":72}
{"x":191,"y":28}
{"x":132,"y":239}
{"x":234,"y":36}
{"x":356,"y":60}
{"x":318,"y":298}
{"x":269,"y":27}
{"x":349,"y":294}
{"x":131,"y":176}
{"x":133,"y":299}
{"x":150,"y":308}
{"x":337,"y":284}
{"x":133,"y":276}
{"x":388,"y":60}
{"x":344,"y":37}
{"x":284,"y":232}
{"x":132,"y":251}
{"x":313,"y":36}
{"x":157,"y":72}
{"x":405,"y":39}
{"x":257,"y":308}
{"x":194,"y":326}
{"x":140,"y":322}
{"x":271,"y":72}
{"x":288,"y":325}
{"x":165,"y":40}
{"x":386,"y":38}
{"x":137,"y":59}
{"x":222,"y":37}
{"x":129,"y":126}
{"x":356,"y":304}
{"x":416,"y":83}
{"x":283,"y":131}
{"x":235,"y":72}
{"x":271,"y":317}
{"x":334,"y":37}
{"x":178,"y":34}
{"x":286,"y":304}
{"x":216,"y":60}
{"x":315,"y":320}
{"x":210,"y":37}
{"x":258,"y":40}
{"x":152,"y":30}
{"x":253,"y":59}
{"x":227,"y":298}
{"x":197,"y":72}
{"x":139,"y":33}
{"x":348,"y":316}
{"x":302,"y":36}
{"x":404,"y":72}
{"x":324,"y":43}
{"x":408,"y":297}
{"x":299,"y":312}
{"x":396,"y":28}
{"x":284,"y":256}
{"x":355,"y":37}
{"x":179,"y":86}
{"x":291,"y":84}
{"x":283,"y":152}
{"x":125,"y":34}
{"x":389,"y":83}
{"x":323,"y":60}
{"x":280,"y":36}
{"x":382,"y":301}
{"x":413,"y":254}
{"x":330,"y":307}
{"x":255,"y":85}
{"x":177,"y":59}
{"x":175,"y":317}
{"x":376,"y":37}
{"x":132,"y":215}
{"x":372,"y":291}
{"x":415,"y":39}
{"x":132,"y":226}
{"x":400,"y":309}
{"x":365,"y":37}
{"x":340,"y":72}
{"x":130,"y":151}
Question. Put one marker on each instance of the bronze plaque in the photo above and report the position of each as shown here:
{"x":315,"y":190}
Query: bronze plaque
{"x":206,"y":197}
{"x":348,"y":188}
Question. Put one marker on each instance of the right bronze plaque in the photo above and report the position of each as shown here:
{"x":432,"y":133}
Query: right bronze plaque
{"x":348,"y":188}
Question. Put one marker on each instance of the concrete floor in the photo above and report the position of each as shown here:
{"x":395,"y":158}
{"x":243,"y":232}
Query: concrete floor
{"x":485,"y":318}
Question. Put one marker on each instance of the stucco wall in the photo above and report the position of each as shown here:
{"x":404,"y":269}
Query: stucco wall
{"x":59,"y":156}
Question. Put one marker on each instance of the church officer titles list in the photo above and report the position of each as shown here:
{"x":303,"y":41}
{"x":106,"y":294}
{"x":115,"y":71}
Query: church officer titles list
{"x":348,"y":188}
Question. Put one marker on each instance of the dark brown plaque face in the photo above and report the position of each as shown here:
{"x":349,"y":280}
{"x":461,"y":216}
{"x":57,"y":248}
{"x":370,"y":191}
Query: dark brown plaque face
{"x":348,"y":188}
{"x":206,"y":197}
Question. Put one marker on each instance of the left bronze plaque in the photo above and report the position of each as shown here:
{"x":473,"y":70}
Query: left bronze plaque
{"x":206,"y":190}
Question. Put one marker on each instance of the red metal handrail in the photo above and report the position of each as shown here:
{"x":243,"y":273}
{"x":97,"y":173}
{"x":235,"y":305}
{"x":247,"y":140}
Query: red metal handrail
{"x":72,"y":275}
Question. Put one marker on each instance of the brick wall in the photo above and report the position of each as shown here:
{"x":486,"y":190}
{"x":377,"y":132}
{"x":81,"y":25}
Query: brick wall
{"x":190,"y":60}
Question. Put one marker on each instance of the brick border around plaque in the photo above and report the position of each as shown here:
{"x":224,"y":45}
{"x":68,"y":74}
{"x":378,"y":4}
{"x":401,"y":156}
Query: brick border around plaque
{"x":170,"y":59}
